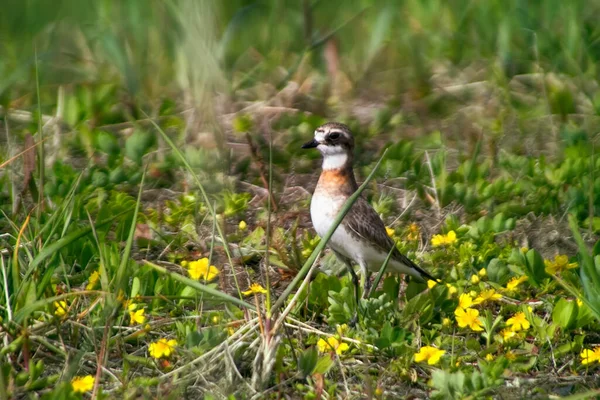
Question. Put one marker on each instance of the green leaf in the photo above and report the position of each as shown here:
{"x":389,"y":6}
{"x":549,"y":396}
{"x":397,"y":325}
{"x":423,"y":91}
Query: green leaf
{"x":138,"y":144}
{"x":323,"y":365}
{"x":565,"y":313}
{"x":535,"y":267}
{"x":498,"y":272}
{"x":308,"y":361}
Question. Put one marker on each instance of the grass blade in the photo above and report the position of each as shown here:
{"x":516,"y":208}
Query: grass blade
{"x":54,"y":247}
{"x":119,"y":278}
{"x":203,"y":288}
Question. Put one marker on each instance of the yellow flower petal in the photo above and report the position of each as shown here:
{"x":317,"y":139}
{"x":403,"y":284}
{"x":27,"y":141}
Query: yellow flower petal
{"x":82,"y":384}
{"x":465,"y":300}
{"x":162,"y":348}
{"x":487,"y":295}
{"x":515,"y":282}
{"x":518,"y":322}
{"x":201,"y":270}
{"x":332,"y":344}
{"x":468,"y":318}
{"x":60,"y":308}
{"x":137,"y":317}
{"x":588,"y":356}
{"x":255,"y":288}
{"x":94,"y":278}
{"x":429,"y":354}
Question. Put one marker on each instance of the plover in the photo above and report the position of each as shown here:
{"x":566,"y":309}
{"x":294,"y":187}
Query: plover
{"x":361,"y":237}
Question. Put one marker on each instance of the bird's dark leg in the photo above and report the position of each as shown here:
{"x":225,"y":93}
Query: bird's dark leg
{"x":367,"y":280}
{"x":356,"y":284}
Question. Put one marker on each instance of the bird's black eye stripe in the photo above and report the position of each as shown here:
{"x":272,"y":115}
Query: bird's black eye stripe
{"x":334,"y":135}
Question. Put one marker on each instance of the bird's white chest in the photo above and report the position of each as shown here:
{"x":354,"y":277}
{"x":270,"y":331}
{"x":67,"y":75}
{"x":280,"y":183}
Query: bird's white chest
{"x":323,"y":210}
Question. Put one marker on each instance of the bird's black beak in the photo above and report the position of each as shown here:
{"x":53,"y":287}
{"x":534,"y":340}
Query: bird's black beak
{"x":310,"y":145}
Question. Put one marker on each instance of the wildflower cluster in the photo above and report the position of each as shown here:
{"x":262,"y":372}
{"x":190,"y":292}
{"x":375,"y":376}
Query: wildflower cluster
{"x":467,"y":316}
{"x":332,"y":344}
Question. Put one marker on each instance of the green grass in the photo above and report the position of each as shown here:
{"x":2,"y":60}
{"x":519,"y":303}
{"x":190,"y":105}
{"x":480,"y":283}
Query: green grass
{"x":171,"y":139}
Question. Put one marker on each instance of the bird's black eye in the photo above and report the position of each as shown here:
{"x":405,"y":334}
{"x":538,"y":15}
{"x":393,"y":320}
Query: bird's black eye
{"x":334,"y":135}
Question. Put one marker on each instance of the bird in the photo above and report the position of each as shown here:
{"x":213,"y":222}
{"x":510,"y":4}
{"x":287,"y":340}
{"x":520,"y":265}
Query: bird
{"x":361,"y":237}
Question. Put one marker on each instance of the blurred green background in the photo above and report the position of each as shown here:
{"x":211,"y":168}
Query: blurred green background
{"x":153,"y":50}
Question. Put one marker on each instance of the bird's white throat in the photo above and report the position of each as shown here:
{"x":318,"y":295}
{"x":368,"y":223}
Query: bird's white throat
{"x":334,"y":161}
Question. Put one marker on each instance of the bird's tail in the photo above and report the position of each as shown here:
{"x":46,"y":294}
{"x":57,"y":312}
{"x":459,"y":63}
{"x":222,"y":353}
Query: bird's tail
{"x":414,"y":269}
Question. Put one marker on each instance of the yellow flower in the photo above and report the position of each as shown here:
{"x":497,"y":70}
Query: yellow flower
{"x":474,"y":279}
{"x":579,"y":302}
{"x":510,"y":356}
{"x":588,"y":356}
{"x":162,"y":348}
{"x":465,"y":301}
{"x":254,"y":288}
{"x":507,"y":334}
{"x":518,"y":322}
{"x":332,"y":344}
{"x":429,"y":354}
{"x":413,"y":232}
{"x":136,"y":317}
{"x":242,"y":226}
{"x":431,"y":283}
{"x":482,"y":272}
{"x":82,"y":384}
{"x":94,"y":278}
{"x":559,"y":264}
{"x":468,"y":317}
{"x":451,"y":289}
{"x":489,"y":357}
{"x":442,"y":240}
{"x":389,"y":231}
{"x":201,"y":269}
{"x":446,"y":322}
{"x":486,"y":295}
{"x":515,"y":282}
{"x":60,"y":308}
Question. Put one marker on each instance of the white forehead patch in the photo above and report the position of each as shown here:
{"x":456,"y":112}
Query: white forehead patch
{"x":320,"y":136}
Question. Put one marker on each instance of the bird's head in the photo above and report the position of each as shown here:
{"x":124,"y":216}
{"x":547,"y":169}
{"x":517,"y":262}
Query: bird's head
{"x":336,"y":144}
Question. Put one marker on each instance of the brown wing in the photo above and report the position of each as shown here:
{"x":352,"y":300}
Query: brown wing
{"x":363,"y":221}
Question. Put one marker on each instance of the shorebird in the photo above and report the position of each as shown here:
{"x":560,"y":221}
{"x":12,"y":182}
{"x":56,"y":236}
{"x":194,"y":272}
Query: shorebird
{"x":361,"y":237}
